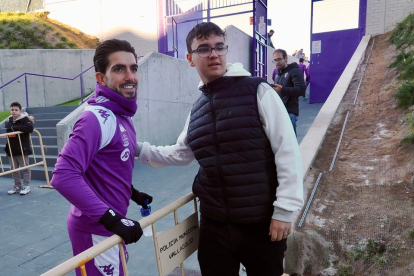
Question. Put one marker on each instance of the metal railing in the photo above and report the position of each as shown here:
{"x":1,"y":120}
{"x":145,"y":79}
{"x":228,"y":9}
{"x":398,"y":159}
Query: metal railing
{"x":26,"y":166}
{"x":81,"y":259}
{"x":46,"y":76}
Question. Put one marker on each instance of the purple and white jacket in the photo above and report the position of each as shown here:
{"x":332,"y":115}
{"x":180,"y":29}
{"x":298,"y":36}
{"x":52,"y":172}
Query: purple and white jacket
{"x":94,"y":169}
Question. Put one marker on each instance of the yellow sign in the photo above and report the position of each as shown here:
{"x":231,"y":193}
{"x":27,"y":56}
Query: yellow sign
{"x":178,"y":243}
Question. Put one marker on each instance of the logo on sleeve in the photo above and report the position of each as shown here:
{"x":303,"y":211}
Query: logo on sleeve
{"x":104,"y":114}
{"x":108,"y":269}
{"x":127,"y":222}
{"x":125,"y":154}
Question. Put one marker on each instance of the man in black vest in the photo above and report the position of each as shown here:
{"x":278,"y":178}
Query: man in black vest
{"x":289,"y":83}
{"x":250,"y":177}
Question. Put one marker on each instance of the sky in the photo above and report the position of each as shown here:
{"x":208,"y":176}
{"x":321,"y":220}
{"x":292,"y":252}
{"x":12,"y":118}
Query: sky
{"x":291,"y":23}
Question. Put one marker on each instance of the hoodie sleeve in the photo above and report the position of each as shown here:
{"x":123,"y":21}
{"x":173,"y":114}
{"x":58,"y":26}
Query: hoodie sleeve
{"x":73,"y":161}
{"x":179,"y":154}
{"x":279,"y":130}
{"x":299,"y":87}
{"x":26,"y":126}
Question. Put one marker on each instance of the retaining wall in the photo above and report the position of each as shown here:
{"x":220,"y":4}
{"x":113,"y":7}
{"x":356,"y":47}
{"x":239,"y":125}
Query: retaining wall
{"x":44,"y":91}
{"x":383,"y":15}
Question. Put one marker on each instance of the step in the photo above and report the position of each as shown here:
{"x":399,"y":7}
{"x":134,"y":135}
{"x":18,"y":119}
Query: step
{"x":49,"y":149}
{"x":46,"y":131}
{"x":38,"y":173}
{"x":47,"y":139}
{"x":57,"y":115}
{"x":50,"y":109}
{"x":46,"y":123}
{"x":50,"y":159}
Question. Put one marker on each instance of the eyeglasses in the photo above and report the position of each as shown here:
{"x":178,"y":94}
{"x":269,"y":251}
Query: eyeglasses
{"x":205,"y":51}
{"x":277,"y":60}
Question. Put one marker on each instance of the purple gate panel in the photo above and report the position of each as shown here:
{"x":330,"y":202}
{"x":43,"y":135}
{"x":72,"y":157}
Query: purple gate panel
{"x":337,"y":49}
{"x":260,"y":39}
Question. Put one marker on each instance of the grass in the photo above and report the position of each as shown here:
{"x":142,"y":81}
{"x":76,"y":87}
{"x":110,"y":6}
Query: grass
{"x":73,"y":102}
{"x":403,"y":38}
{"x":4,"y":115}
{"x":403,"y":34}
{"x":344,"y":271}
{"x":28,"y":31}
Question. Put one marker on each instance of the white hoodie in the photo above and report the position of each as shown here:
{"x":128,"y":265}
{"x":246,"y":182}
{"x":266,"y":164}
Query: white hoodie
{"x":279,"y":131}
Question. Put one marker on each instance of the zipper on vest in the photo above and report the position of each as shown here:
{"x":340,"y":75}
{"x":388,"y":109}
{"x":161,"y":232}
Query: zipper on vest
{"x":222,"y":182}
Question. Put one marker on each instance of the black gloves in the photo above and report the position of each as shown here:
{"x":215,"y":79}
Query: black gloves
{"x":129,"y":230}
{"x":140,"y":198}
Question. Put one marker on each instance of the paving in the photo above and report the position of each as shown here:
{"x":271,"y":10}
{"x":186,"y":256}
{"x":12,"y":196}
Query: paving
{"x":33,"y":236}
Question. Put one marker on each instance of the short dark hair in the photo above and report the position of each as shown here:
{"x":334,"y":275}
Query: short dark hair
{"x":301,"y":60}
{"x":283,"y":52}
{"x":16,"y":104}
{"x":271,"y":31}
{"x":203,"y":30}
{"x":100,"y":59}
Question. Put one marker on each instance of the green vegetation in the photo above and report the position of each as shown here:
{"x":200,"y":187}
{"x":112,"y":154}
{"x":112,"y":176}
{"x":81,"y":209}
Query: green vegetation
{"x":403,"y":38}
{"x":344,"y":271}
{"x":32,"y":31}
{"x":73,"y":102}
{"x":4,"y":115}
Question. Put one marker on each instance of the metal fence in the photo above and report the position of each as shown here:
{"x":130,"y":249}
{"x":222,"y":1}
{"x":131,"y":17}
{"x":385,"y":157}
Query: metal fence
{"x":37,"y":162}
{"x":20,"y":5}
{"x":164,"y":266}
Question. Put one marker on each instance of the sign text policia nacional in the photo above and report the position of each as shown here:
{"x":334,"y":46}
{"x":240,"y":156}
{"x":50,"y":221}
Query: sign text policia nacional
{"x":178,"y":243}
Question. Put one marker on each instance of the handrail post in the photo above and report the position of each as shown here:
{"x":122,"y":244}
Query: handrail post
{"x":81,"y":83}
{"x":27,"y":92}
{"x":44,"y":162}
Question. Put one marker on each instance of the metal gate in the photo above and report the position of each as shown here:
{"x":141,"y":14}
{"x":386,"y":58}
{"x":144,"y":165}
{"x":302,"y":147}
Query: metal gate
{"x":178,"y":17}
{"x":333,"y":44}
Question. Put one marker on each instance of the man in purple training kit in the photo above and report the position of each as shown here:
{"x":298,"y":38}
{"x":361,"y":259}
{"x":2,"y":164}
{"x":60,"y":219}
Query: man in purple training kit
{"x":94,"y":169}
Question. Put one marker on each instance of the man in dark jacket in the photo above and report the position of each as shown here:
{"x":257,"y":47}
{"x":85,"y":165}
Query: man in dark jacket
{"x":289,"y":83}
{"x":250,"y":177}
{"x":19,"y":121}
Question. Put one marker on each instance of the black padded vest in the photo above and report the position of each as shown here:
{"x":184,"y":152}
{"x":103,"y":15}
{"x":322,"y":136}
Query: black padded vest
{"x":237,"y":181}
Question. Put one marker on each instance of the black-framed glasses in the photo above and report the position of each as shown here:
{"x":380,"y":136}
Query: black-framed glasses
{"x":277,"y":60}
{"x":205,"y":51}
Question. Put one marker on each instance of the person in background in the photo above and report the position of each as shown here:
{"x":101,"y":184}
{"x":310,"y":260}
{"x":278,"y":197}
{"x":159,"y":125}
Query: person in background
{"x":304,"y":70}
{"x":19,"y":121}
{"x":94,"y":169}
{"x":270,"y":34}
{"x":289,"y":83}
{"x":299,"y":54}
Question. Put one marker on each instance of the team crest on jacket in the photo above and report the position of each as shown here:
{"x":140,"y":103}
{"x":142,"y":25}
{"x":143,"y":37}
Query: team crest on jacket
{"x":125,"y":154}
{"x":125,"y":141}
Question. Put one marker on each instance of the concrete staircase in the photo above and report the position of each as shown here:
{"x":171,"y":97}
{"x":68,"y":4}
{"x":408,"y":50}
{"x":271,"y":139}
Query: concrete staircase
{"x":46,"y":120}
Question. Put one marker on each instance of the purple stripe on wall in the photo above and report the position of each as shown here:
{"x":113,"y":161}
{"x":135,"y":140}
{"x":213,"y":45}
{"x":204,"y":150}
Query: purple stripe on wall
{"x":162,"y":33}
{"x":326,"y":67}
{"x":337,"y":49}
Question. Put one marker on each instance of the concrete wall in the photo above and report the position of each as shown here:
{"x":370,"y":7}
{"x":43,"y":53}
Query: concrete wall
{"x":44,"y":91}
{"x":131,"y":20}
{"x":168,"y":87}
{"x":383,"y":15}
{"x":240,"y":47}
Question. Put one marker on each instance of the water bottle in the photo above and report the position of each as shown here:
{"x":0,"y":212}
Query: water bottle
{"x":144,"y":213}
